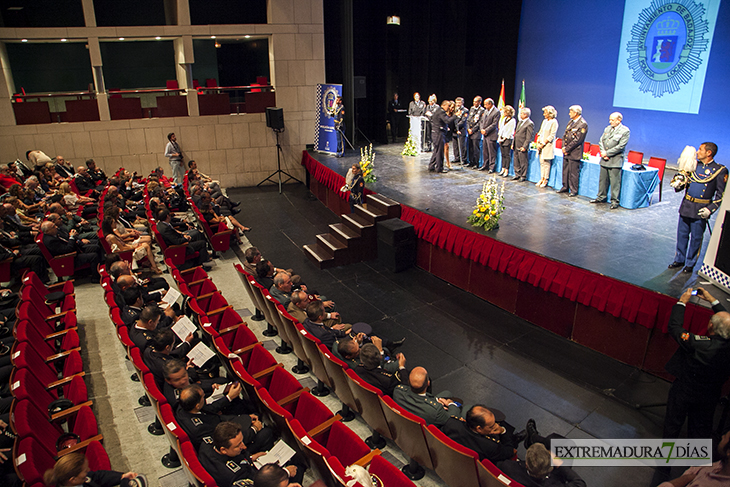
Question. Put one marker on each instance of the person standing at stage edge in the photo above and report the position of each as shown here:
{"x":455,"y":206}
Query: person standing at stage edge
{"x":701,"y":200}
{"x":174,"y":154}
{"x":523,"y":137}
{"x":472,"y":127}
{"x":462,"y":116}
{"x":488,"y":126}
{"x":440,"y":123}
{"x":340,"y":126}
{"x":575,"y":135}
{"x":612,"y":144}
{"x":393,"y":113}
{"x":430,"y":109}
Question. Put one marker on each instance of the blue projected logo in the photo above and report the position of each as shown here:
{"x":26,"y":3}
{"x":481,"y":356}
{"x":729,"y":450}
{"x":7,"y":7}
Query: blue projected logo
{"x":666,"y":45}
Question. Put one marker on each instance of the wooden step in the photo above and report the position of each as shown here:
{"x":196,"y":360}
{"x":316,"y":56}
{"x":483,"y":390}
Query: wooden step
{"x":383,"y":204}
{"x":344,"y":234}
{"x":333,"y":247}
{"x":319,"y":256}
{"x":359,"y":224}
{"x":370,"y":213}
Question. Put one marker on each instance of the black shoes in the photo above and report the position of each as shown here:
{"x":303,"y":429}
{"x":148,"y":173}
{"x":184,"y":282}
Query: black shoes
{"x":562,"y":190}
{"x":572,"y":195}
{"x":614,"y":206}
{"x":516,"y":178}
{"x":598,"y":201}
{"x":398,"y":343}
{"x":519,"y":437}
{"x":531,"y":432}
{"x":687,"y":270}
{"x":674,"y":265}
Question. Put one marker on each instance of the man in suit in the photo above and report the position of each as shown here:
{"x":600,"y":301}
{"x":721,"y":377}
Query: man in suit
{"x":173,"y":237}
{"x":84,"y":181}
{"x":612,"y":144}
{"x":491,"y":439}
{"x":462,"y":117}
{"x":416,"y":400}
{"x":524,"y":133}
{"x":488,"y":126}
{"x":702,"y":198}
{"x":439,"y":125}
{"x":472,"y":128}
{"x":575,"y":135}
{"x":86,"y":252}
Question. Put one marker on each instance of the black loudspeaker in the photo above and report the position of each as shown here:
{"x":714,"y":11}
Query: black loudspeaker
{"x":396,"y":244}
{"x":275,"y":118}
{"x":360,"y":88}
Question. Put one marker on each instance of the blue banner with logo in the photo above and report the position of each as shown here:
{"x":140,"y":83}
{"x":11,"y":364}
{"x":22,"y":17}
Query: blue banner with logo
{"x":325,"y":136}
{"x":663,"y":55}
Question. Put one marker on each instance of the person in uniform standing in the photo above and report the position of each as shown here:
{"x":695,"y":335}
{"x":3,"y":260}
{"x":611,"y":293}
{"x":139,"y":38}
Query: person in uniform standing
{"x":417,"y":108}
{"x":524,"y":133}
{"x":339,"y":116}
{"x":460,"y":123}
{"x":472,"y":126}
{"x":488,"y":126}
{"x":394,"y":108}
{"x":612,"y":144}
{"x":701,"y":199}
{"x":440,"y":124}
{"x":575,"y":135}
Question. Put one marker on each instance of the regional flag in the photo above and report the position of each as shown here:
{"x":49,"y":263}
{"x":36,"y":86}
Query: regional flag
{"x":500,"y":103}
{"x":522,"y":96}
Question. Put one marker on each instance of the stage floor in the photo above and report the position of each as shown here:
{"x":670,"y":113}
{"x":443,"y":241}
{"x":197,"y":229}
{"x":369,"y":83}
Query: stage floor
{"x":634,"y":246}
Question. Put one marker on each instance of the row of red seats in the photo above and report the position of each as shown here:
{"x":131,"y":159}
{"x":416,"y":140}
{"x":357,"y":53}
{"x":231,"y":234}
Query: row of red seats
{"x":50,"y":395}
{"x":302,"y":419}
{"x":425,"y":445}
{"x":220,"y":240}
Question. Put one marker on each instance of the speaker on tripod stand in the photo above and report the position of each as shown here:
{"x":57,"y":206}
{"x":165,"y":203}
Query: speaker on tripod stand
{"x":275,"y":121}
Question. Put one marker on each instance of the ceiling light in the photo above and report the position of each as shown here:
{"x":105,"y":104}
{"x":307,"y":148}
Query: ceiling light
{"x":15,"y":8}
{"x":212,"y":37}
{"x":393,"y":20}
{"x":24,"y":40}
{"x":247,"y":37}
{"x":63,"y":40}
{"x":158,"y":38}
{"x":121,"y":38}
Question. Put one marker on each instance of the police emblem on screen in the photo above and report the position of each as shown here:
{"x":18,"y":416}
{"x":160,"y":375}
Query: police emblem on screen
{"x":328,"y":102}
{"x":665,"y":46}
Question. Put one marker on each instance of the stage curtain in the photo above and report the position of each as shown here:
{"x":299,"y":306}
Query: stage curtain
{"x":620,"y":299}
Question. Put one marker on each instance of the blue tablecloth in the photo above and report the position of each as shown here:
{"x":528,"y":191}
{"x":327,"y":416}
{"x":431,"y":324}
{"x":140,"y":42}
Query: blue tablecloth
{"x":636,"y":186}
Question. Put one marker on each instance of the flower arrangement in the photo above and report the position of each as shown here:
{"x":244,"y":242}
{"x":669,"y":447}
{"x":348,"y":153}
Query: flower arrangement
{"x":410,"y":149}
{"x":367,"y":159}
{"x":490,"y":205}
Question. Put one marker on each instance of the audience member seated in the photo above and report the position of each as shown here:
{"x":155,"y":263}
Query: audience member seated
{"x":493,"y":440}
{"x":348,"y":350}
{"x":8,"y":178}
{"x":96,"y":173}
{"x":149,"y":286}
{"x":21,"y":260}
{"x":214,"y":221}
{"x":298,"y":309}
{"x":163,"y":346}
{"x":178,"y":377}
{"x":87,"y":253}
{"x":228,"y":461}
{"x":281,"y":289}
{"x":128,"y":230}
{"x":265,"y":274}
{"x":21,"y":214}
{"x":85,"y":183}
{"x":73,"y":470}
{"x":141,"y":249}
{"x":73,"y":202}
{"x":434,"y":409}
{"x":372,"y":371}
{"x":68,"y":221}
{"x":537,"y":471}
{"x":195,"y":241}
{"x":143,"y":330}
{"x":272,"y":475}
{"x":199,"y":423}
{"x":64,"y":168}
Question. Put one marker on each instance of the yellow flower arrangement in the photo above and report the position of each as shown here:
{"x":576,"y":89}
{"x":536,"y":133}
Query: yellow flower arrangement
{"x":367,"y":164}
{"x":489,"y":206}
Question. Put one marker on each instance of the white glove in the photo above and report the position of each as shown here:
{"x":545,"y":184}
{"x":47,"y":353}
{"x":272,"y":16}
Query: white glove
{"x":704,"y":213}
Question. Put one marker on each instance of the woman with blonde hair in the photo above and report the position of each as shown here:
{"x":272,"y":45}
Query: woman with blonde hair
{"x":546,"y":143}
{"x":506,"y":136}
{"x":73,"y":470}
{"x":141,"y":247}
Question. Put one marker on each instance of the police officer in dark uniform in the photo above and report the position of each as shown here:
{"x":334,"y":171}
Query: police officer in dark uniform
{"x":394,"y":109}
{"x":417,"y":108}
{"x":575,"y":135}
{"x":701,"y":200}
{"x":472,"y":127}
{"x":701,"y":366}
{"x":340,"y":126}
{"x":460,"y":123}
{"x":439,"y":125}
{"x":491,"y":439}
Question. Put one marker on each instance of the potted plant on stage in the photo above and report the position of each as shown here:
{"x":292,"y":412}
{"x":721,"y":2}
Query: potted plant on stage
{"x":367,"y":159}
{"x":489,"y":207}
{"x":410,"y":149}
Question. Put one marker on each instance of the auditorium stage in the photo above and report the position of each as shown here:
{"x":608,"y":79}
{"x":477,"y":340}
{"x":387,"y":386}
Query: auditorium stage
{"x":634,"y":246}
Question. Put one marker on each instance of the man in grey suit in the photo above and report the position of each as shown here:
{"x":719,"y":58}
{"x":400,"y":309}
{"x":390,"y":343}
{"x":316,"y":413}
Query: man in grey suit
{"x":488,"y":126}
{"x":416,"y":400}
{"x":612,"y":144}
{"x":524,"y":133}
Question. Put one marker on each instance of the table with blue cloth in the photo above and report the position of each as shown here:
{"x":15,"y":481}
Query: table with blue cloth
{"x":636,"y":186}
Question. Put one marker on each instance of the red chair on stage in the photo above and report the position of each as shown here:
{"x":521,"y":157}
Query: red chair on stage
{"x":558,"y":143}
{"x":586,"y":146}
{"x":661,"y":165}
{"x":595,"y":149}
{"x":635,"y":157}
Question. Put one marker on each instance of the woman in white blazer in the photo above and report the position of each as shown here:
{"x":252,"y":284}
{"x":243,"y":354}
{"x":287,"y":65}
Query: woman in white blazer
{"x":506,"y":136}
{"x":546,"y":143}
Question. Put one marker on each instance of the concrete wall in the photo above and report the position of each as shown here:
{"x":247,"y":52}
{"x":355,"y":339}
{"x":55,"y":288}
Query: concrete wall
{"x":239,"y":150}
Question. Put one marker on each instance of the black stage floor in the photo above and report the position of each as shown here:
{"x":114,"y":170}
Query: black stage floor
{"x":478,"y":351}
{"x":631,"y":245}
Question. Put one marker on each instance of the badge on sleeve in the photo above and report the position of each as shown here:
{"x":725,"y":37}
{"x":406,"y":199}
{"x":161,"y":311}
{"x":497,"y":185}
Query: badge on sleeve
{"x":583,"y":130}
{"x":243,"y":483}
{"x":702,"y":337}
{"x":684,"y":337}
{"x":232,"y":466}
{"x":197,"y":421}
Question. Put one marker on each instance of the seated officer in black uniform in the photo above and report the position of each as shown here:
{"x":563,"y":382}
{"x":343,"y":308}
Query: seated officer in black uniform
{"x":199,"y":424}
{"x":229,"y":463}
{"x":493,"y":440}
{"x":372,"y":371}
